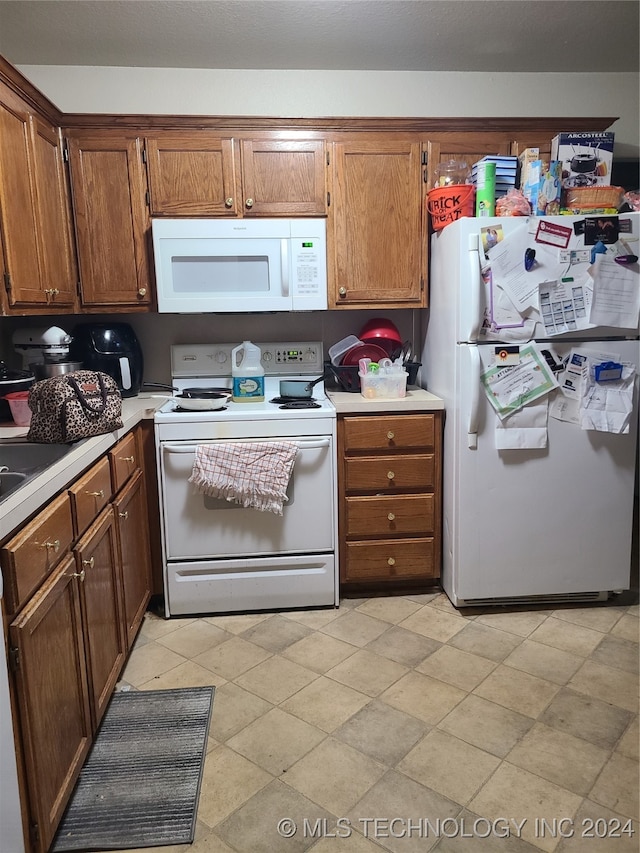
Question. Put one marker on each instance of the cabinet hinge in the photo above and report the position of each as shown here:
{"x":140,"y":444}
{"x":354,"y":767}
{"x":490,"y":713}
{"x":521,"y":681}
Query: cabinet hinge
{"x":34,"y":832}
{"x":65,"y":153}
{"x":328,"y":199}
{"x":425,"y":158}
{"x":7,"y":281}
{"x":144,"y":155}
{"x":14,"y":658}
{"x":147,"y":198}
{"x":328,"y":159}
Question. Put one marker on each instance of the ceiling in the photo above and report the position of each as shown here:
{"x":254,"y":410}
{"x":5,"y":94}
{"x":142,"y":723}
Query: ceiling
{"x":411,"y":35}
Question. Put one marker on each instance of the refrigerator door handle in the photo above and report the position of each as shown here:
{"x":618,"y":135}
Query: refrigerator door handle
{"x":474,"y":408}
{"x":475,"y":288}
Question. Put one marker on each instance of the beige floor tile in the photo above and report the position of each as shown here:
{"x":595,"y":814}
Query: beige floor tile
{"x":543,"y":661}
{"x":597,"y":617}
{"x":567,"y":636}
{"x":521,"y":795}
{"x":423,"y":697}
{"x":611,"y":685}
{"x":355,"y":628}
{"x":209,"y":843}
{"x":393,"y":609}
{"x":403,"y":646}
{"x":276,"y":740}
{"x":313,"y":618}
{"x":486,"y":725}
{"x":228,"y":781}
{"x":254,"y":827}
{"x":276,"y":634}
{"x":570,"y":762}
{"x":353,"y":843}
{"x":585,"y":717}
{"x":234,"y":708}
{"x":456,"y":667}
{"x":599,"y":830}
{"x":325,"y":703}
{"x":233,"y":657}
{"x":154,"y":626}
{"x":367,"y":672}
{"x":381,"y":732}
{"x":485,"y":641}
{"x":334,"y":775}
{"x":618,"y":653}
{"x":474,"y":834}
{"x":394,"y":801}
{"x":276,"y":679}
{"x":630,"y":741}
{"x":187,"y":674}
{"x":617,"y":786}
{"x":319,"y":651}
{"x":148,"y":662}
{"x":517,"y":690}
{"x":236,"y":623}
{"x":194,"y":638}
{"x":437,"y":624}
{"x":449,"y":766}
{"x":519,"y":622}
{"x":628,"y":627}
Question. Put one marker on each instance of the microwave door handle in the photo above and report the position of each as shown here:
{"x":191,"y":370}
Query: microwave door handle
{"x":191,"y":448}
{"x":284,"y":265}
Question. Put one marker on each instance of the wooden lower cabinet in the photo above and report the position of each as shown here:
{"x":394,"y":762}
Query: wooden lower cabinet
{"x":389,"y":486}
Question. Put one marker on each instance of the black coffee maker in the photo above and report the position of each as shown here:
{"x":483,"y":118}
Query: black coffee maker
{"x":112,"y":348}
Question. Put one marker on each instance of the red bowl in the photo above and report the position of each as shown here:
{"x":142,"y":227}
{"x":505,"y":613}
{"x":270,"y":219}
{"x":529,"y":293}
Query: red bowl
{"x":382,"y":332}
{"x":372,"y":351}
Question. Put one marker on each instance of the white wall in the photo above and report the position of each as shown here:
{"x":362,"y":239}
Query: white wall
{"x":344,"y":93}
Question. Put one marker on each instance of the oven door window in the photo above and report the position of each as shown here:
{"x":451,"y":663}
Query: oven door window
{"x":197,"y":526}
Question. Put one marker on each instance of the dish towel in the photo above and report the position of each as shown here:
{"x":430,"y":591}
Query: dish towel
{"x":252,"y":474}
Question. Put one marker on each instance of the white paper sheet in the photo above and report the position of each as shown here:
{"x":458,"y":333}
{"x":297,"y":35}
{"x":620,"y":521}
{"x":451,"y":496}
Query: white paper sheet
{"x":567,"y":403}
{"x":510,"y":388}
{"x":502,"y":321}
{"x":507,"y":266}
{"x":607,"y":406}
{"x":616,"y":294}
{"x":524,"y":429}
{"x":564,"y":306}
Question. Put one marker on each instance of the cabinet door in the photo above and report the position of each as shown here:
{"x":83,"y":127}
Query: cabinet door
{"x":133,"y":540}
{"x":283,"y":177}
{"x":112,"y":222}
{"x":101,"y":601}
{"x":376,"y":216}
{"x":192,"y":174}
{"x":53,"y":697}
{"x":467,"y":147}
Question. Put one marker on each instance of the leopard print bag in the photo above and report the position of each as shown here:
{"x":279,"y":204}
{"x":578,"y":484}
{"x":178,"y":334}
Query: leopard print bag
{"x":73,"y":406}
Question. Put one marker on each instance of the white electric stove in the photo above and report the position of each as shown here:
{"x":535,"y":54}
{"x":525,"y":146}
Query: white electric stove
{"x":221,"y":557}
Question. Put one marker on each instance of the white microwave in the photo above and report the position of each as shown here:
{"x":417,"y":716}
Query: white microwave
{"x":240,"y":265}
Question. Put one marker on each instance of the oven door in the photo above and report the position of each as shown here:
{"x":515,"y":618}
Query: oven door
{"x":199,"y":527}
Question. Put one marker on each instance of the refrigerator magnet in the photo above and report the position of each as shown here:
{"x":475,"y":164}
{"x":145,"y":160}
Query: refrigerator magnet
{"x":506,"y":356}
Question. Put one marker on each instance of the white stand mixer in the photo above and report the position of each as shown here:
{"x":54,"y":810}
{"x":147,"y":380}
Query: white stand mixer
{"x":45,"y":351}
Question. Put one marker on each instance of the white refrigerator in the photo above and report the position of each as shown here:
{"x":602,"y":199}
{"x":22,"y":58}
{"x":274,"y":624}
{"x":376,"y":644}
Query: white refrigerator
{"x":536,"y":508}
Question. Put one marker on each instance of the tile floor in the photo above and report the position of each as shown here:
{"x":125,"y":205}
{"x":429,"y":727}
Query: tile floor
{"x":401,"y":724}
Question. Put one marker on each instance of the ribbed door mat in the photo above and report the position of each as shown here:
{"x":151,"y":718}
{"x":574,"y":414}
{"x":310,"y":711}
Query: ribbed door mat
{"x":141,"y":782}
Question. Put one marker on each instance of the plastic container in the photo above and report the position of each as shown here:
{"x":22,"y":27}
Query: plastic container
{"x":392,"y":386}
{"x":447,"y":204}
{"x":19,"y":405}
{"x":339,"y":349}
{"x":452,"y":172}
{"x":247,"y":373}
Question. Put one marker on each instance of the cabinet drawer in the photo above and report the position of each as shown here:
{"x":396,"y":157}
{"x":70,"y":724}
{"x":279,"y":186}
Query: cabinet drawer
{"x":394,"y":515}
{"x":385,"y":473}
{"x":123,"y":459}
{"x":30,"y":556}
{"x":389,"y":560}
{"x":90,"y":494}
{"x":389,"y":432}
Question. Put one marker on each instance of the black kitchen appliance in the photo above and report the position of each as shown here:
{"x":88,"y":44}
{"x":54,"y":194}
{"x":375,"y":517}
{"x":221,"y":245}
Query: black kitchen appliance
{"x":112,"y":348}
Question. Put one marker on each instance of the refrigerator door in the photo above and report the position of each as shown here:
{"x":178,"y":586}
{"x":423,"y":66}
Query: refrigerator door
{"x":521,"y":524}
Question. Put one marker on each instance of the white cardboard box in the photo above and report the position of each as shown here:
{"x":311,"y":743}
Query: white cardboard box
{"x":586,"y":157}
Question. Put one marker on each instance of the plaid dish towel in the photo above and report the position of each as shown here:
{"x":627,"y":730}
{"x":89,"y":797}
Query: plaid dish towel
{"x":252,"y":474}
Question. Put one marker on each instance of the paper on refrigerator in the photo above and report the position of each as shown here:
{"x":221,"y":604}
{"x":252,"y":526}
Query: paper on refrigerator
{"x":564,"y":306}
{"x":507,"y":260}
{"x":525,"y":429}
{"x":509,"y":388}
{"x":616,"y":294}
{"x":607,"y":406}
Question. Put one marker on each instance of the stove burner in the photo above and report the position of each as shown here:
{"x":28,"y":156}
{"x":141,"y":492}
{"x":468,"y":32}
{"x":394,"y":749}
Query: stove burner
{"x":306,"y":401}
{"x":200,"y":411}
{"x":299,"y":404}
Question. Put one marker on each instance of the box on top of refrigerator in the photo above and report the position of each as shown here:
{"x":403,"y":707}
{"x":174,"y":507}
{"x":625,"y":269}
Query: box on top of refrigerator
{"x":586,"y":157}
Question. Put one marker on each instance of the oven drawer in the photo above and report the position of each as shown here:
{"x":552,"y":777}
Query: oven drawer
{"x":385,"y":559}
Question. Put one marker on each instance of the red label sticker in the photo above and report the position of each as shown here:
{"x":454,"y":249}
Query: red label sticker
{"x":552,"y":234}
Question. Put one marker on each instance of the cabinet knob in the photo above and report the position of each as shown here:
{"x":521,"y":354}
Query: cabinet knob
{"x":99,"y":494}
{"x":391,"y":435}
{"x":228,"y":202}
{"x":342,"y":292}
{"x":392,"y":516}
{"x":142,"y":292}
{"x":124,"y":515}
{"x":54,"y":546}
{"x":249,"y":202}
{"x":131,"y":459}
{"x":390,"y":475}
{"x":90,"y":562}
{"x":391,"y":561}
{"x":80,"y":575}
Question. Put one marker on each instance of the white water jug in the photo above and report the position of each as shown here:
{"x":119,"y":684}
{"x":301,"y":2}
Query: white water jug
{"x":247,"y":373}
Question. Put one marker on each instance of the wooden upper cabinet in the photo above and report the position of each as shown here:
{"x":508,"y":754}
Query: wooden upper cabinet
{"x":39,"y":262}
{"x":283,"y":177}
{"x":109,"y":189}
{"x":376,"y":224}
{"x":192,"y":174}
{"x":468,"y":147}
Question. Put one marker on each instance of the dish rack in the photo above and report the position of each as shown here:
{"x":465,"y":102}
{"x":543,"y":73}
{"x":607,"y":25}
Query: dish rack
{"x":347,"y":379}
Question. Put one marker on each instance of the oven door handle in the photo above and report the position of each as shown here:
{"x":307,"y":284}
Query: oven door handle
{"x":191,"y":448}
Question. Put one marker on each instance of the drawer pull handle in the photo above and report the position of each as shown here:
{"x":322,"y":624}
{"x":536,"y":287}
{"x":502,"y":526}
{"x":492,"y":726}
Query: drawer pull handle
{"x":55,"y":545}
{"x":228,"y":202}
{"x":124,"y":515}
{"x":249,"y":202}
{"x":392,"y":516}
{"x":390,"y":475}
{"x":391,"y":561}
{"x":131,"y":459}
{"x":99,"y":494}
{"x":391,"y":435}
{"x":90,"y":562}
{"x":79,"y":575}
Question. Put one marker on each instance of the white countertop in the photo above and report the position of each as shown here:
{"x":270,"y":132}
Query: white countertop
{"x":28,"y":499}
{"x":416,"y":400}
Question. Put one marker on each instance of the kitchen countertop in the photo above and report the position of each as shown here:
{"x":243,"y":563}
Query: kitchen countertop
{"x":28,"y":499}
{"x":416,"y":400}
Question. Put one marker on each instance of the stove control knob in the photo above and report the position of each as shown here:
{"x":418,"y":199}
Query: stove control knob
{"x":221,"y":357}
{"x":267,"y":356}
